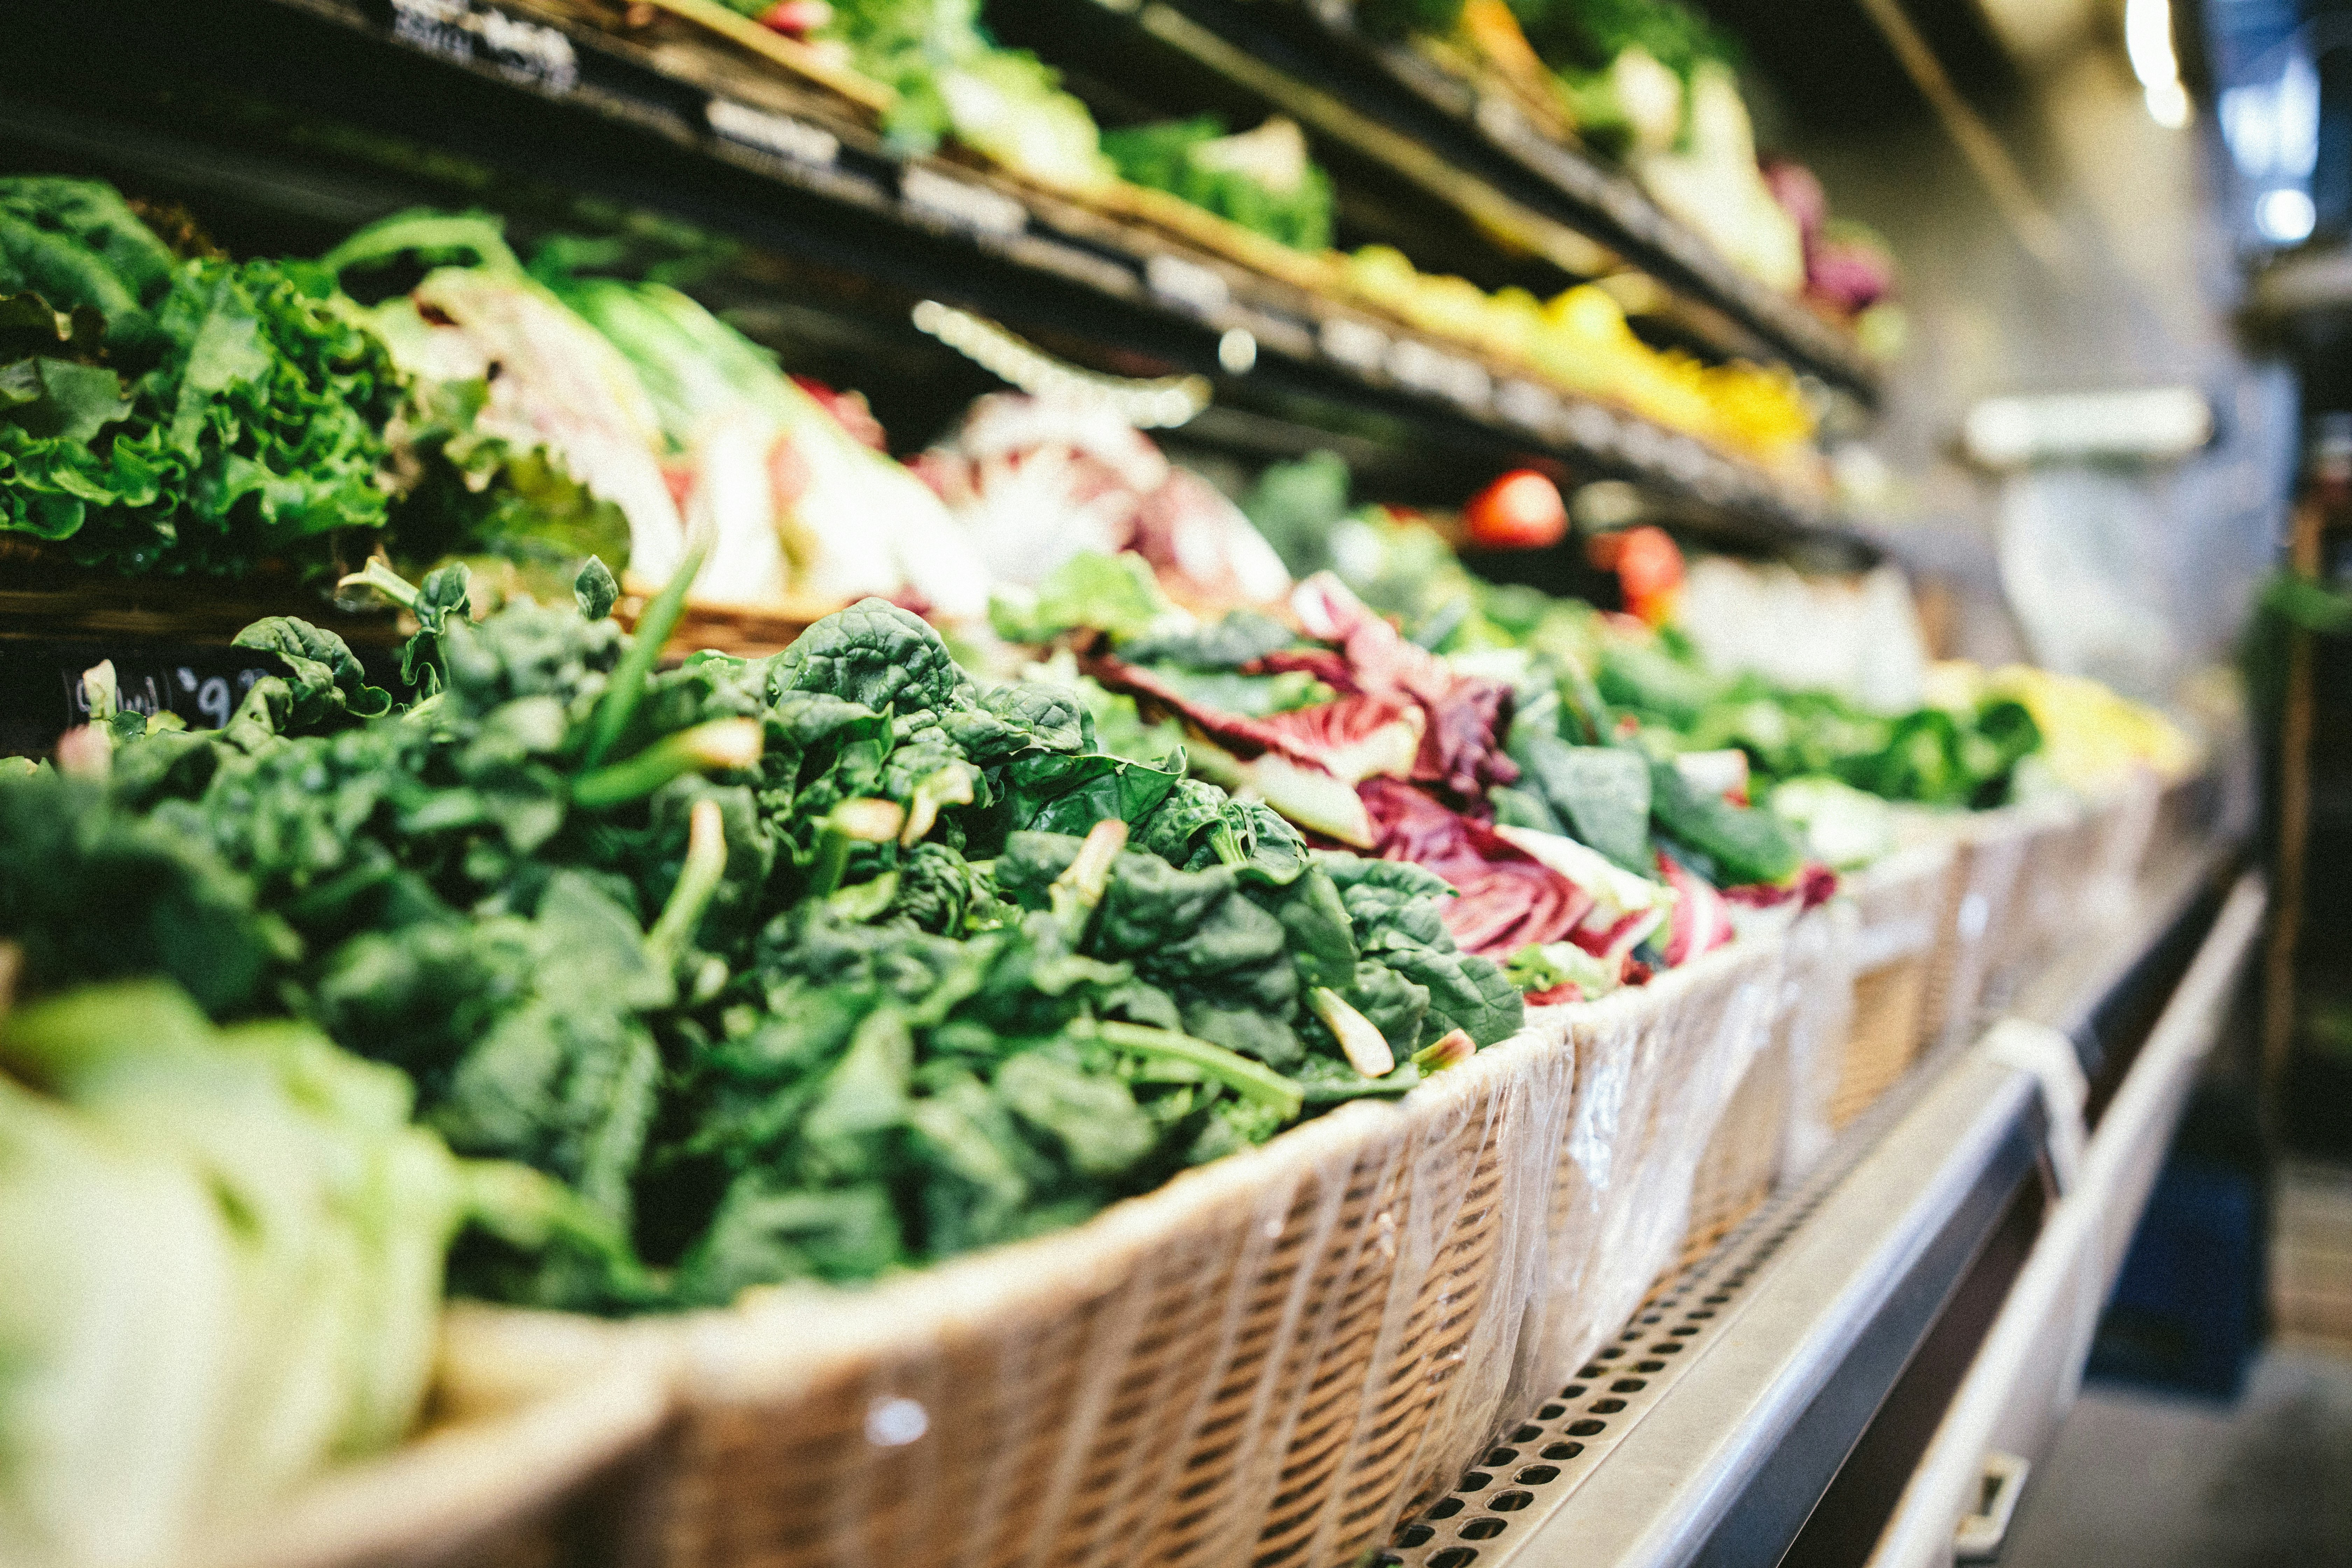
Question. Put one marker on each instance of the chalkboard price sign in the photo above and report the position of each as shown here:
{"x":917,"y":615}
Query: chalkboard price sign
{"x":41,"y":694}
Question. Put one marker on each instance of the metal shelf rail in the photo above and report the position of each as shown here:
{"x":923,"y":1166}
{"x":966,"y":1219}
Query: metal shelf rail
{"x":2024,"y":1377}
{"x":1712,"y":1430}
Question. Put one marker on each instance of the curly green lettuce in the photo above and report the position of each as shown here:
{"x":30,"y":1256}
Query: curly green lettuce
{"x":220,"y":415}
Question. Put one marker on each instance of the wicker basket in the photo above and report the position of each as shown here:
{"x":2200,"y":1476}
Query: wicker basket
{"x":2128,"y":830}
{"x":1743,"y":1158}
{"x":1776,"y":1122}
{"x":1988,"y":855}
{"x":1263,"y":1361}
{"x":1268,"y":1360}
{"x":1654,"y":1069}
{"x":2056,"y":884}
{"x":1906,"y":909}
{"x":512,"y":1468}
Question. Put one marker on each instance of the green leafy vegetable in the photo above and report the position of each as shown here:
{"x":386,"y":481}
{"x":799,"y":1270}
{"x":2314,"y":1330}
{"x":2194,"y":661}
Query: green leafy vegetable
{"x":238,"y":1239}
{"x":1118,"y":594}
{"x":814,"y":965}
{"x":1262,"y":181}
{"x":234,"y":414}
{"x":1296,"y":505}
{"x":1589,"y":33}
{"x":1600,"y":795}
{"x":1737,"y":845}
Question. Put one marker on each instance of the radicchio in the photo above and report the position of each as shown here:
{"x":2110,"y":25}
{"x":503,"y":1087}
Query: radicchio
{"x":1239,"y":733}
{"x":1814,"y":885}
{"x":1508,"y":899}
{"x":1466,"y":716}
{"x":1702,"y":919}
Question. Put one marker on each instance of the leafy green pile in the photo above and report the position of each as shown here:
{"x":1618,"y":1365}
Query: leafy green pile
{"x":1262,"y":180}
{"x":1612,"y":676}
{"x":1296,"y":505}
{"x":1587,"y":35}
{"x":1584,"y":776}
{"x":950,"y":76}
{"x":1964,"y":756}
{"x":176,"y":417}
{"x":817,"y":964}
{"x":1577,"y":37}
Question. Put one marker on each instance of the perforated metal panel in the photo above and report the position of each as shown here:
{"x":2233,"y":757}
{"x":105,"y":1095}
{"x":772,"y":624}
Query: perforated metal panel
{"x":1522,"y":1481}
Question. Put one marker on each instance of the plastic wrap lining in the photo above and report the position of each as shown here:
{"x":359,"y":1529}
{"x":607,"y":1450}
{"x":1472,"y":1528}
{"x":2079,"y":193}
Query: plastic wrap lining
{"x":1906,"y":910}
{"x":1811,"y":1029}
{"x":1989,"y":853}
{"x":1275,"y":1357}
{"x":2127,"y":828}
{"x":1654,"y":1069}
{"x":1263,"y":1361}
{"x":1778,"y":1113}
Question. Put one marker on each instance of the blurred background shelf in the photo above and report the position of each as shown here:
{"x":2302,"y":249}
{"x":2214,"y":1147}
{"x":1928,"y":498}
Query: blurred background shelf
{"x":1391,"y":117}
{"x":314,"y":116}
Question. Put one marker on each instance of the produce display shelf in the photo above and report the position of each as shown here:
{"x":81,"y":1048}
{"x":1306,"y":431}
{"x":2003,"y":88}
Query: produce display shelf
{"x":1756,"y":1403}
{"x":794,"y":170}
{"x":1477,"y":149}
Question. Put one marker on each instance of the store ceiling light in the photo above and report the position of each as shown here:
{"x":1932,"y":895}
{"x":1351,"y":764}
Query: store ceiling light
{"x":2148,"y":39}
{"x":2167,"y":104}
{"x":2286,"y":217}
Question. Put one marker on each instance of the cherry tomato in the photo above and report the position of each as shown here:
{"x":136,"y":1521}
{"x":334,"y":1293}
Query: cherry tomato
{"x":1521,"y":510}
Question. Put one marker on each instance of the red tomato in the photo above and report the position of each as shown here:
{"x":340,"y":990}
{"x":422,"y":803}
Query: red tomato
{"x":1649,"y":568}
{"x":796,"y":18}
{"x":1521,"y":510}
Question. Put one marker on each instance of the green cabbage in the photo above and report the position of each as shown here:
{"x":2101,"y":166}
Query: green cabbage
{"x":220,"y":1270}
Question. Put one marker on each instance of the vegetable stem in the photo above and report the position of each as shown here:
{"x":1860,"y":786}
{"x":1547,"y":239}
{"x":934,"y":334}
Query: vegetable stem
{"x":715,"y":746}
{"x":100,"y":691}
{"x":1076,"y":891}
{"x":950,"y":785}
{"x":1252,"y":1080}
{"x":85,"y":751}
{"x":619,"y":703}
{"x":378,"y":574}
{"x":1450,"y":1050}
{"x":698,"y":880}
{"x":1367,"y":1048}
{"x":864,"y":820}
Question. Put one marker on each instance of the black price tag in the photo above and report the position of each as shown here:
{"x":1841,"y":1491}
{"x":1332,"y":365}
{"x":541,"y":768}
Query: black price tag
{"x":42,"y":696}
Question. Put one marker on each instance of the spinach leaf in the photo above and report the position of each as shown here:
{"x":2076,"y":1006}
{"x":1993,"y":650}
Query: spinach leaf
{"x":873,"y":654}
{"x":1601,"y":795}
{"x":324,"y":681}
{"x":1227,"y":644}
{"x":1061,"y":793}
{"x":1739,"y":846}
